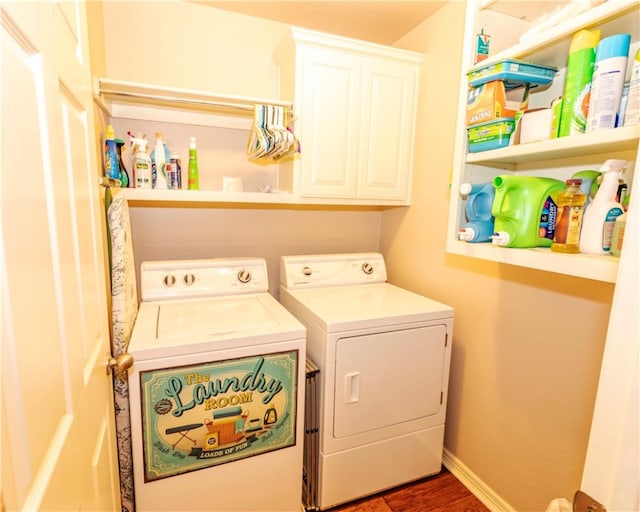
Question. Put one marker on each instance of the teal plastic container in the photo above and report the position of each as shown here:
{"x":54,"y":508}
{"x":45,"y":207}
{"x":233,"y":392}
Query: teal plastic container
{"x":525,"y":210}
{"x":513,"y":72}
{"x":490,"y":135}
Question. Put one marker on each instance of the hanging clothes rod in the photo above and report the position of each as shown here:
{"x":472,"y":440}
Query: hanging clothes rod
{"x":117,"y":88}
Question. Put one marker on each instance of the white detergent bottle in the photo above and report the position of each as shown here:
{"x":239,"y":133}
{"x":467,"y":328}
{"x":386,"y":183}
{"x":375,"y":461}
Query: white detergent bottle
{"x":141,"y":164}
{"x":600,"y":218}
{"x":159,"y":159}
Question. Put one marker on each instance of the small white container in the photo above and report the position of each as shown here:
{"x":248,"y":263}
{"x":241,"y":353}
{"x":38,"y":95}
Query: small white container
{"x":535,"y":125}
{"x":231,"y":184}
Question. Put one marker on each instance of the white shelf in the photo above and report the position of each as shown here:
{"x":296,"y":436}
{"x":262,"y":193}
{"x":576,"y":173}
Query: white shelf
{"x":617,"y":139}
{"x":133,"y":100}
{"x":195,"y":198}
{"x":136,"y":196}
{"x":599,"y":268}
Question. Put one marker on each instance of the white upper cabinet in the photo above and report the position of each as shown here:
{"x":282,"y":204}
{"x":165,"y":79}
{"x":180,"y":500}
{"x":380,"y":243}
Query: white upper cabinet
{"x":355,"y":105}
{"x":514,"y":36}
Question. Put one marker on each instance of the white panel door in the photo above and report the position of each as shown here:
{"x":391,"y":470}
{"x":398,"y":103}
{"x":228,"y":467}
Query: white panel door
{"x":388,"y":378}
{"x":58,"y":448}
{"x":329,"y":131}
{"x":387,"y":127}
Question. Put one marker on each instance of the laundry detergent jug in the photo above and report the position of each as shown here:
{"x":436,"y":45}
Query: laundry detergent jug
{"x":479,"y":225}
{"x":525,"y":210}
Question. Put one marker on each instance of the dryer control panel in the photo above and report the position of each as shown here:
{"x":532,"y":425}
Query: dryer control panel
{"x":324,"y":270}
{"x":182,"y":279}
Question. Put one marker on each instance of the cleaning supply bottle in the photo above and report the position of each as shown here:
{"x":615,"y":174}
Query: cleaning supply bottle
{"x":618,"y":234}
{"x":111,"y":169}
{"x":607,"y":82}
{"x":160,"y":157}
{"x":479,"y":225}
{"x":575,"y":102}
{"x":122,"y":170}
{"x":569,"y":221}
{"x":141,"y":164}
{"x":600,"y":217}
{"x":176,"y":171}
{"x":589,"y":184}
{"x":193,"y":181}
{"x":525,"y":210}
{"x":632,"y":113}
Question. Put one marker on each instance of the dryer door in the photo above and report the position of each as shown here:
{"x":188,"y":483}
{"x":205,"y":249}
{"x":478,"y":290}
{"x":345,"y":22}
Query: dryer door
{"x":388,"y":378}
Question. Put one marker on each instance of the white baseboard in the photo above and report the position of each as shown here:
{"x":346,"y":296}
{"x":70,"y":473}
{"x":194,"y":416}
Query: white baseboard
{"x":477,"y":487}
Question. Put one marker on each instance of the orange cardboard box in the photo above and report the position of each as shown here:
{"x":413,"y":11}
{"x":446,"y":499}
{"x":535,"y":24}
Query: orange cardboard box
{"x":491,"y":101}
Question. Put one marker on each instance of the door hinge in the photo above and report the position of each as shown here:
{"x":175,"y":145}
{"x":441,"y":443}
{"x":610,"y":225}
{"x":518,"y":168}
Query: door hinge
{"x":582,"y":502}
{"x":441,"y":397}
{"x":446,"y":340}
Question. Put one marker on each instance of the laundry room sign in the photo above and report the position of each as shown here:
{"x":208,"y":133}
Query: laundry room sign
{"x":207,"y":414}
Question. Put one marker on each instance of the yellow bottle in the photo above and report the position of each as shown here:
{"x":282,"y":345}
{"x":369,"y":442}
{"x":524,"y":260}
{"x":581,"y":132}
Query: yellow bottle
{"x":569,"y":221}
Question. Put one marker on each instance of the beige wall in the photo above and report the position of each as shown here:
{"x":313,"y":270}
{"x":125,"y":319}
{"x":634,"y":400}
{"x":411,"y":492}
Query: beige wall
{"x":183,"y":233}
{"x":195,"y":47}
{"x":527,"y":344}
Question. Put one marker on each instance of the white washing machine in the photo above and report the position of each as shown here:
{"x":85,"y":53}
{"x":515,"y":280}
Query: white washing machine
{"x":216,"y":390}
{"x":383,"y":354}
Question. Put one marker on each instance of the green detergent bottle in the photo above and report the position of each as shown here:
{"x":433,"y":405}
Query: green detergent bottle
{"x":525,"y":210}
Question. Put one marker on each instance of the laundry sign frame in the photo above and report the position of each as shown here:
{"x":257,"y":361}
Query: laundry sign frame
{"x":206,"y":414}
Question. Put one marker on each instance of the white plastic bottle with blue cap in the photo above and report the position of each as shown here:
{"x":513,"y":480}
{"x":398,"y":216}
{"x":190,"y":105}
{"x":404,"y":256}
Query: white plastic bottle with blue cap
{"x":599,"y":219}
{"x":607,"y":82}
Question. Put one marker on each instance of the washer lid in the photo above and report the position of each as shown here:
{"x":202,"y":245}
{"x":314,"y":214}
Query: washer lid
{"x":165,"y":328}
{"x":339,"y":308}
{"x":229,"y":316}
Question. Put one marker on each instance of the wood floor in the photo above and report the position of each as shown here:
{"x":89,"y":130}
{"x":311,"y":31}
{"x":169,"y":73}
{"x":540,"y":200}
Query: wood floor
{"x":438,"y":493}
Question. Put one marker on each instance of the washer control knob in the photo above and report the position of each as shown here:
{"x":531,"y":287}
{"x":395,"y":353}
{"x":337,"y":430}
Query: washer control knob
{"x":367,"y":268}
{"x":189,"y":279}
{"x":244,"y":276}
{"x":306,"y":271}
{"x":169,"y":280}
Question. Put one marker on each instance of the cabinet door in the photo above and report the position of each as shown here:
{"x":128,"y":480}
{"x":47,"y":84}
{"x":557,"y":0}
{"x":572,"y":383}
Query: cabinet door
{"x":387,"y":129}
{"x":330,"y":83}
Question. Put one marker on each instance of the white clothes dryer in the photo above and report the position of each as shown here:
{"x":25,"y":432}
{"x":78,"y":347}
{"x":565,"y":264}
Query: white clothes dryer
{"x":216,"y":390}
{"x":383,"y":354}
